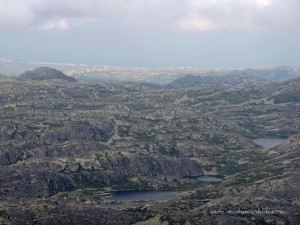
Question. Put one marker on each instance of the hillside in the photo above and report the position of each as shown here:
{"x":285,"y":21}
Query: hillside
{"x":192,"y":80}
{"x":45,"y":73}
{"x":67,"y":146}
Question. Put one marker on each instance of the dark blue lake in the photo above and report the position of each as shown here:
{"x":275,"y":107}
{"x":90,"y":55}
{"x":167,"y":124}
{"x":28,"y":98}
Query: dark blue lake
{"x":144,"y":195}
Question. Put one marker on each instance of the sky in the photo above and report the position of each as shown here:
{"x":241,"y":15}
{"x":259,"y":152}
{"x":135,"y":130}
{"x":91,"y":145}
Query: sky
{"x":152,"y":33}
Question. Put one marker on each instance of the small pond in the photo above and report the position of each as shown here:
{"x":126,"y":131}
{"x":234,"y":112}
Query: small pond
{"x":110,"y":205}
{"x":268,"y":142}
{"x":144,"y":195}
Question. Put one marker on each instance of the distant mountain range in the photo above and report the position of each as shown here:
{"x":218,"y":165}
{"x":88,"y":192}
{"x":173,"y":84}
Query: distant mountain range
{"x":185,"y":77}
{"x":237,"y":77}
{"x":13,"y":67}
{"x":161,"y":77}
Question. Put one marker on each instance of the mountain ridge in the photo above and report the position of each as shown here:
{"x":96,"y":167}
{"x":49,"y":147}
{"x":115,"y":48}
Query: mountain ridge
{"x":45,"y":73}
{"x":249,"y":75}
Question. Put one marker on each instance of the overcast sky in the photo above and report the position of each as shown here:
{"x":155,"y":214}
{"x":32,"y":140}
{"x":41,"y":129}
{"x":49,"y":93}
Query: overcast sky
{"x":152,"y":33}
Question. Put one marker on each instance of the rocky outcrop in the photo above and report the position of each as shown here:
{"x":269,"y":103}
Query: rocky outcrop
{"x":113,"y":168}
{"x":78,"y":131}
{"x":145,"y":165}
{"x":28,"y":183}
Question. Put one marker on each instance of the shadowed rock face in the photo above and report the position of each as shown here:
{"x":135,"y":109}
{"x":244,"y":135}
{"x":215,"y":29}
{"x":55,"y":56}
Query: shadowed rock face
{"x":45,"y":73}
{"x":49,"y":178}
{"x":36,"y":163}
{"x":29,"y":183}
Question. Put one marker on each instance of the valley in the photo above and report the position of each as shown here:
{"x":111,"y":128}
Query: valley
{"x":66,"y":146}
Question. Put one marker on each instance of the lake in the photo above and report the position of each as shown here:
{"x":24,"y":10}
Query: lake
{"x":109,"y":206}
{"x":268,"y":142}
{"x":150,"y":195}
{"x":144,"y":195}
{"x":209,"y":179}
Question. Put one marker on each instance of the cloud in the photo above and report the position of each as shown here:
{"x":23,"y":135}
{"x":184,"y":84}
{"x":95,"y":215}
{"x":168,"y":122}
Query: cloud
{"x":14,"y":12}
{"x":52,"y":14}
{"x":262,"y":3}
{"x":189,"y":15}
{"x":196,"y":23}
{"x":59,"y":24}
{"x":239,"y":14}
{"x":66,"y":14}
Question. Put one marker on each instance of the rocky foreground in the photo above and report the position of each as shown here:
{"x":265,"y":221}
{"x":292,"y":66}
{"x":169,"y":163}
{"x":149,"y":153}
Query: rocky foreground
{"x":65,"y":145}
